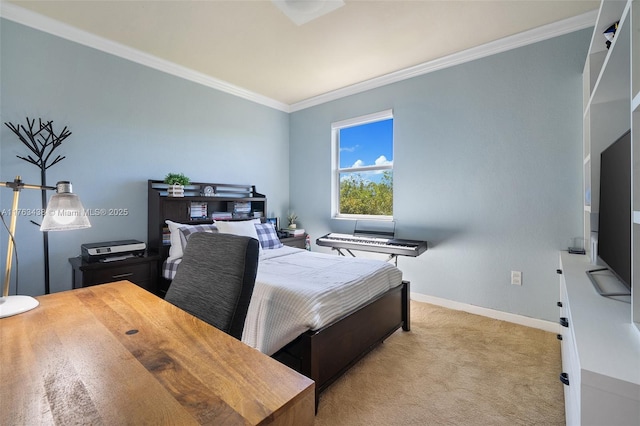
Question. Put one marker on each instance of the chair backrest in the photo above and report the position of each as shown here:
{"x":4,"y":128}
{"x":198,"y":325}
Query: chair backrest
{"x":215,"y":279}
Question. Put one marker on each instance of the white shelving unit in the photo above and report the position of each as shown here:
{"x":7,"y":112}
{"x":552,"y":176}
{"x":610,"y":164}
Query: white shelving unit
{"x":611,"y":90}
{"x":606,"y":94}
{"x":601,"y":335}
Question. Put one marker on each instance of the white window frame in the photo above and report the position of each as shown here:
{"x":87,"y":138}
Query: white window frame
{"x":335,"y":161}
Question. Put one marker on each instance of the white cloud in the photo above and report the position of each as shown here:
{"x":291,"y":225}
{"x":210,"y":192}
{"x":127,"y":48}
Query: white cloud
{"x":382,"y":161}
{"x":349,"y":148}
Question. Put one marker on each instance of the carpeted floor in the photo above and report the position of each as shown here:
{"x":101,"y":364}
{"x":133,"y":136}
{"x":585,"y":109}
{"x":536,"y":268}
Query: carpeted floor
{"x":452,"y":368}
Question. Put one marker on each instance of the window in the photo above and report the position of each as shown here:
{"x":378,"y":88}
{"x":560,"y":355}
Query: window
{"x":362,"y":178}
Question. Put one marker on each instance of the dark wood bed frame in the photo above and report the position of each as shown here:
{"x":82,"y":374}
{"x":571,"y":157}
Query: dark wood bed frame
{"x":325,"y":354}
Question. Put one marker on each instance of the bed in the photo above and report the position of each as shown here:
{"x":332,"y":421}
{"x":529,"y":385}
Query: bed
{"x":317,"y":313}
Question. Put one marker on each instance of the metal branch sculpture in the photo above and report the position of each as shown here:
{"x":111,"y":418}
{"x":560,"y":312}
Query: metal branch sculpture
{"x":42,"y":141}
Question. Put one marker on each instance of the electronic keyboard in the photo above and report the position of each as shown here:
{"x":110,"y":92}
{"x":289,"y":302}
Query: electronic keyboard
{"x":378,"y":244}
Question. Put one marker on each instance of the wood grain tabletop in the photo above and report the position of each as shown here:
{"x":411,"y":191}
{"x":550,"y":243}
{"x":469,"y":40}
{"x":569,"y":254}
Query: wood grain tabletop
{"x":116,"y":354}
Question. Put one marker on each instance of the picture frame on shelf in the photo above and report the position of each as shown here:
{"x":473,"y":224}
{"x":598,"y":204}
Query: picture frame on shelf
{"x":274,"y":221}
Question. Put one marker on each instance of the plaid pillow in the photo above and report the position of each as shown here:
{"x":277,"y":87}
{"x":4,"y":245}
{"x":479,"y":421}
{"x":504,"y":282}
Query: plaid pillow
{"x":187,"y":230}
{"x":267,"y":236}
{"x":170,"y":267}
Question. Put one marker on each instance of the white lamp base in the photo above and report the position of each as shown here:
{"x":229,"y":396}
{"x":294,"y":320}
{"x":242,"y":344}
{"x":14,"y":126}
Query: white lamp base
{"x":13,"y":305}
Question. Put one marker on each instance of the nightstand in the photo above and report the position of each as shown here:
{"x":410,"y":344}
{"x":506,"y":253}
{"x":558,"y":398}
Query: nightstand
{"x":142,"y":271}
{"x":298,"y":242}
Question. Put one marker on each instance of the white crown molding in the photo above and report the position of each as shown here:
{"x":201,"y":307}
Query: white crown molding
{"x":31,"y":19}
{"x":489,"y":313}
{"x":535,"y":35}
{"x":34,"y":20}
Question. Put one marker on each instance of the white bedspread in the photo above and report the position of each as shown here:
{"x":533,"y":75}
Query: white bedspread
{"x":297,"y":290}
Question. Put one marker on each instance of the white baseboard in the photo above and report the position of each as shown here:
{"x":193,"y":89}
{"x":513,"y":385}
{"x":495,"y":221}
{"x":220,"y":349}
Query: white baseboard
{"x":486,"y":312}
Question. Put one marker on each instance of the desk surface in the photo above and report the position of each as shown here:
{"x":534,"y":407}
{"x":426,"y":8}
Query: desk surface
{"x":115,"y":354}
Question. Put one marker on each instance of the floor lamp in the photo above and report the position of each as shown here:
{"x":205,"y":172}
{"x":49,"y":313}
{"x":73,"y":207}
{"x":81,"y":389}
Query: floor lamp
{"x":64,"y":212}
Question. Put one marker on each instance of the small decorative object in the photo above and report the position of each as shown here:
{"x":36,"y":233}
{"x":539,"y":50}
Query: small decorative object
{"x":176,"y":182}
{"x":291,"y":218}
{"x":610,"y":33}
{"x":175,"y":190}
{"x":576,"y":245}
{"x":208,"y":191}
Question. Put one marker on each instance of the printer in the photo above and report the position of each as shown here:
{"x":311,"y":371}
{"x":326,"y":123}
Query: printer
{"x":112,"y":250}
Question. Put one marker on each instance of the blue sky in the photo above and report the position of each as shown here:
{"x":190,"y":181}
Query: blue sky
{"x":367,"y":144}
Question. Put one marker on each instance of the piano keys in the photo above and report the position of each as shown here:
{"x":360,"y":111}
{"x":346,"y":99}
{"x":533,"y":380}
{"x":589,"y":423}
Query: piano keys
{"x":378,"y":244}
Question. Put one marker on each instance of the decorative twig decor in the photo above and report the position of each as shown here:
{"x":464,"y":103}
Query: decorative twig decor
{"x":42,"y":141}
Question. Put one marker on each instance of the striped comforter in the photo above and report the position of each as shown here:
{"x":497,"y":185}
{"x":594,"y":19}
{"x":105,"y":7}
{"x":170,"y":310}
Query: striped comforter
{"x":297,"y":290}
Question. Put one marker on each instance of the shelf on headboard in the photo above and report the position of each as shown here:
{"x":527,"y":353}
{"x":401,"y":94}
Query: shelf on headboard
{"x":197,"y":189}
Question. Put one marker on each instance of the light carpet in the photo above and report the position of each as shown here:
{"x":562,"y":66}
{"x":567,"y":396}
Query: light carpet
{"x":452,"y":368}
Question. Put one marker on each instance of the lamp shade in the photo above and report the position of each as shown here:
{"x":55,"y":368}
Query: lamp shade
{"x":64,"y":211}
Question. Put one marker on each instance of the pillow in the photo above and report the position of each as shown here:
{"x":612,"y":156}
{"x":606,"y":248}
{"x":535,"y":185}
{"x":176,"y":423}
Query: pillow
{"x":178,"y":241}
{"x":267,"y":236}
{"x":245,"y":228}
{"x":187,"y":230}
{"x":175,"y":249}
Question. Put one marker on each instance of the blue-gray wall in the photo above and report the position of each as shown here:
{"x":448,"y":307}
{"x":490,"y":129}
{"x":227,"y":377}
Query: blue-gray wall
{"x":129,"y":123}
{"x":487,"y":158}
{"x":487,"y":168}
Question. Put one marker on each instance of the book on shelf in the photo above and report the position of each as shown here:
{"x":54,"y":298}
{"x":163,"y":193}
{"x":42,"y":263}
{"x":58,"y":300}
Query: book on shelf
{"x":221,"y":215}
{"x":166,"y":236}
{"x":239,"y":207}
{"x":198,"y":210}
{"x":295,"y":232}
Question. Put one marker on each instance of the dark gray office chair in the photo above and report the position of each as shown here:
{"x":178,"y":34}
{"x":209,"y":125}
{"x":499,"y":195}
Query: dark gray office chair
{"x":215,"y":279}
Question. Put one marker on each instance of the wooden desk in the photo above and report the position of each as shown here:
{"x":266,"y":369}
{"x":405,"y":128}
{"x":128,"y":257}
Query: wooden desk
{"x":116,"y":354}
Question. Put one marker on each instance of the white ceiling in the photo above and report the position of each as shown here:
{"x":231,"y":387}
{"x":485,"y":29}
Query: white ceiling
{"x":252,"y":46}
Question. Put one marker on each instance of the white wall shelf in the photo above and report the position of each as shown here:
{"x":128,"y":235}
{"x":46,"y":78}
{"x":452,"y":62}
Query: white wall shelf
{"x":608,"y":86}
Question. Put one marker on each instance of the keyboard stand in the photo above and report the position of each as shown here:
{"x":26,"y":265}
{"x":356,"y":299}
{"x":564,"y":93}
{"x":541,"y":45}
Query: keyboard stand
{"x":339,"y":250}
{"x":392,"y":257}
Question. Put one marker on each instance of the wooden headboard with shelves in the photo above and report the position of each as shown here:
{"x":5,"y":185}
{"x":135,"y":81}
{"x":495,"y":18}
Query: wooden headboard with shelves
{"x":201,"y":203}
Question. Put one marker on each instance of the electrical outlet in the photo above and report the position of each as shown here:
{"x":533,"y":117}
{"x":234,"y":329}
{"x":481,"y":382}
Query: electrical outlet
{"x":516,"y":277}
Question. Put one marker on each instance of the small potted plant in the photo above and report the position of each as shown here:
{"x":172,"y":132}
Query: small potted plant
{"x":176,"y":182}
{"x":291,"y":218}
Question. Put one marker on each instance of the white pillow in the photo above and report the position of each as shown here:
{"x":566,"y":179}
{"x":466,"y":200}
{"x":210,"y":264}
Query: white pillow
{"x":246,"y":228}
{"x":175,"y":250}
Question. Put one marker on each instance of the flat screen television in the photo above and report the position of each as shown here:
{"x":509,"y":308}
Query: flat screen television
{"x":614,"y":219}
